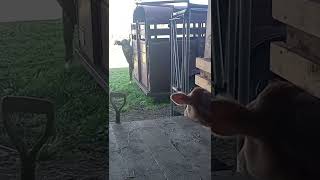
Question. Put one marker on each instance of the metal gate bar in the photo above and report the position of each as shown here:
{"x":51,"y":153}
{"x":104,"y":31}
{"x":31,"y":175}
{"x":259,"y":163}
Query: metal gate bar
{"x":232,"y":47}
{"x":180,"y":69}
{"x":244,"y":50}
{"x":217,"y":50}
{"x":234,"y":60}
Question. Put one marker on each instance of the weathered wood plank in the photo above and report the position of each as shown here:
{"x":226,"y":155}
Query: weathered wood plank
{"x":304,"y":42}
{"x":202,"y":82}
{"x":205,"y":75}
{"x":203,"y":64}
{"x":85,"y":28}
{"x":295,"y":68}
{"x":139,"y":161}
{"x":301,"y":14}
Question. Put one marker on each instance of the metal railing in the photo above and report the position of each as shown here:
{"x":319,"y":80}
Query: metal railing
{"x":180,"y":45}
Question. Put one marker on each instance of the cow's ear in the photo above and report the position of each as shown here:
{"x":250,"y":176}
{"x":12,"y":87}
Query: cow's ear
{"x":230,"y":118}
{"x":180,"y":99}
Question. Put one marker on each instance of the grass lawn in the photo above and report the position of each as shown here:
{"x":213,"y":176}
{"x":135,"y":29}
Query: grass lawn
{"x":119,"y":82}
{"x":32,"y":64}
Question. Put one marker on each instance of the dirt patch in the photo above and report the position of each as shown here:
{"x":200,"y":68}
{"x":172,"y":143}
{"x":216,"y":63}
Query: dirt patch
{"x":140,"y":113}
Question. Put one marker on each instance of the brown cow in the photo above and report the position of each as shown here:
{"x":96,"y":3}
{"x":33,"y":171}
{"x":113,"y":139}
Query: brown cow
{"x":279,"y":128}
{"x":127,"y":50}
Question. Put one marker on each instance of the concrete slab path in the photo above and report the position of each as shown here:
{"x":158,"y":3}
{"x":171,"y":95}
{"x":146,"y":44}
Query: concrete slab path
{"x":173,"y":148}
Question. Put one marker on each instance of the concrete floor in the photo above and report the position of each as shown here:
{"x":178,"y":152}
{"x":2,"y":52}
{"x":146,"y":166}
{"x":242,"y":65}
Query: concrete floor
{"x":173,"y":148}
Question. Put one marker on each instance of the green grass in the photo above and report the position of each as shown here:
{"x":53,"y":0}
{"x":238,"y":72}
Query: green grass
{"x":119,"y":82}
{"x":32,"y":64}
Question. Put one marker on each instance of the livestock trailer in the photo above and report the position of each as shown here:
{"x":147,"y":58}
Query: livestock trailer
{"x":152,"y":39}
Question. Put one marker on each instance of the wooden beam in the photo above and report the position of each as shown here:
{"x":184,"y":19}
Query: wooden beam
{"x":304,"y":43}
{"x":301,"y":14}
{"x":203,"y":64}
{"x":203,"y":83}
{"x":205,"y":75}
{"x":98,"y":73}
{"x":295,"y":68}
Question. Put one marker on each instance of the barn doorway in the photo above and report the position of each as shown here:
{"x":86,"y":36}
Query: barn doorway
{"x":155,"y":37}
{"x":147,"y":142}
{"x":139,"y":105}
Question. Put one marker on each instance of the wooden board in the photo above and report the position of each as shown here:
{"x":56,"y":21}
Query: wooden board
{"x":105,"y":34}
{"x":204,"y":64}
{"x":295,"y":68}
{"x":202,"y":82}
{"x":304,"y":42}
{"x":301,"y":14}
{"x":173,"y":148}
{"x":85,"y":28}
{"x":205,"y":75}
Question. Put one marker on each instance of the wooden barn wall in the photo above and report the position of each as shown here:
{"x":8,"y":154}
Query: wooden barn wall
{"x":298,"y":59}
{"x":105,"y":33}
{"x":85,"y":28}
